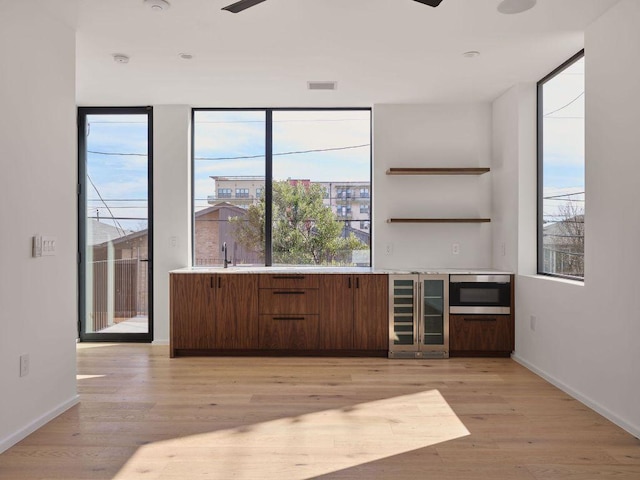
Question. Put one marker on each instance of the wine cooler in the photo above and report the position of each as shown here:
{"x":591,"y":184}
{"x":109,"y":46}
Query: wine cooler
{"x":419,"y":316}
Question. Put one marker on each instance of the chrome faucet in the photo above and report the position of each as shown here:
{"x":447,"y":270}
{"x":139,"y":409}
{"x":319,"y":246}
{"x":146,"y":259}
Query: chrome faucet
{"x":224,"y":249}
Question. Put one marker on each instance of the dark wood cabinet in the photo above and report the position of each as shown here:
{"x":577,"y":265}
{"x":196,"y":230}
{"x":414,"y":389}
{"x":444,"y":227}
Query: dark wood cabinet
{"x":289,"y":332}
{"x":370,"y":312}
{"x":192,"y":312}
{"x":227,"y":313}
{"x":353,"y":312}
{"x":336,"y":312}
{"x":213,"y":312}
{"x":288,"y":306}
{"x":481,"y":335}
{"x":236,"y":311}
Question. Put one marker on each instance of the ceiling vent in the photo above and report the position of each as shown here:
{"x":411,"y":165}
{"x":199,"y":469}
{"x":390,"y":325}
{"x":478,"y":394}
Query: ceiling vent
{"x":322,"y":85}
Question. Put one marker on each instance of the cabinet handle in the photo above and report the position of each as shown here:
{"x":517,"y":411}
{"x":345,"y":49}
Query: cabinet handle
{"x":288,"y":277}
{"x":287,"y":318}
{"x":211,"y":281}
{"x":349,"y":278}
{"x":219,"y":282}
{"x":289,"y":293}
{"x":481,"y":319}
{"x":357,"y":282}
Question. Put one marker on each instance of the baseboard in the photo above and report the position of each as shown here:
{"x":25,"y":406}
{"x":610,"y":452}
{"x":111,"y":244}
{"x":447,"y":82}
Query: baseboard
{"x":21,"y":434}
{"x":605,"y":412}
{"x":160,"y":342}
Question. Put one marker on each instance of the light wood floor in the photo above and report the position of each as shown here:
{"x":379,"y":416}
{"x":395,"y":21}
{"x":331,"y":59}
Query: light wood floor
{"x":145,"y":416}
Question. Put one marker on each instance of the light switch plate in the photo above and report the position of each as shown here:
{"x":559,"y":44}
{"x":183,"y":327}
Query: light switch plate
{"x":48,"y":246}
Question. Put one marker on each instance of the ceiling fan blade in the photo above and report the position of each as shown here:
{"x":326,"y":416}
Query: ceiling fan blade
{"x":242,"y":5}
{"x":431,"y":3}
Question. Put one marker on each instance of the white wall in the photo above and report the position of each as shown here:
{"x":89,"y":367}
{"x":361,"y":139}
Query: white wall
{"x":513,"y":180}
{"x":431,"y":136}
{"x":171,"y":205}
{"x":586,"y":336}
{"x":38,"y":183}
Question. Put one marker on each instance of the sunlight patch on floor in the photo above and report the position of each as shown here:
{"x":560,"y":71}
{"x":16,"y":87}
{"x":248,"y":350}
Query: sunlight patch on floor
{"x":86,"y":377}
{"x":305,"y":446}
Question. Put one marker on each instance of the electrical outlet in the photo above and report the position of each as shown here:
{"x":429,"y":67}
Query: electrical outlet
{"x":388,"y":249}
{"x":532,"y":322}
{"x":24,"y":365}
{"x":173,"y":242}
{"x":455,"y":248}
{"x":503,"y":249}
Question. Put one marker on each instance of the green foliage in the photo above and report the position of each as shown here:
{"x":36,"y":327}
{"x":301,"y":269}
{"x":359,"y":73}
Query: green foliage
{"x":305,"y":231}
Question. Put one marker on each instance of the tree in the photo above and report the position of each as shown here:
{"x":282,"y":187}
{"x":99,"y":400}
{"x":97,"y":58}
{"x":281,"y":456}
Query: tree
{"x":565,"y":240}
{"x":304,"y":231}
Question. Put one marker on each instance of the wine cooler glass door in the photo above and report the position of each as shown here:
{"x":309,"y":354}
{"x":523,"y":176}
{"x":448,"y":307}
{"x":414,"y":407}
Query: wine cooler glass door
{"x":402,"y":315}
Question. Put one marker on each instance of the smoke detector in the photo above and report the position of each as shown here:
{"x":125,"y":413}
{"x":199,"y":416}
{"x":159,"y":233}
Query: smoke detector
{"x":120,"y":58}
{"x":157,"y":5}
{"x":471,"y":54}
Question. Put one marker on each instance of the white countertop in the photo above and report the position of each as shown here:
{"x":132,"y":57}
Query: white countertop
{"x":338,"y":270}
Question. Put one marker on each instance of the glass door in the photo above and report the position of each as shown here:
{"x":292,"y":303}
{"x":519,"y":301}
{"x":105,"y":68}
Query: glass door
{"x":115,"y":227}
{"x":402,"y":310}
{"x":434,"y":316}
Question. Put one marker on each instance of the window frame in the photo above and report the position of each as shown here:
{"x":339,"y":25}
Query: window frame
{"x":540,"y":166}
{"x":268,"y":190}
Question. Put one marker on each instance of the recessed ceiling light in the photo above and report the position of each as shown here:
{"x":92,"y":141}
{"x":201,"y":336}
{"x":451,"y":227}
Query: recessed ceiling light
{"x":323,"y":85}
{"x":120,"y":58}
{"x":471,"y":54}
{"x":185,"y":56}
{"x":515,"y":6}
{"x":157,"y":5}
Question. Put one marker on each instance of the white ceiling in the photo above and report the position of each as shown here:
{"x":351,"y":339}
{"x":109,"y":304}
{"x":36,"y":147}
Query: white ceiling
{"x":379,"y":51}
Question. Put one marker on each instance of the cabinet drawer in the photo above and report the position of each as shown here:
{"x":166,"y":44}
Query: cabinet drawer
{"x":481,"y":333}
{"x":288,"y":301}
{"x":289,"y":332}
{"x":288,"y":280}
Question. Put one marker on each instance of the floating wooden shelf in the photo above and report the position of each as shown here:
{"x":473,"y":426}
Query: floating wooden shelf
{"x":438,"y":171}
{"x":438,"y":220}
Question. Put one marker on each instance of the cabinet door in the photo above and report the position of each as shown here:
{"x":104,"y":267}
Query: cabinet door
{"x":481,"y":334}
{"x":236,"y":311}
{"x":336,"y":312}
{"x":192,"y":312}
{"x":370,"y":308}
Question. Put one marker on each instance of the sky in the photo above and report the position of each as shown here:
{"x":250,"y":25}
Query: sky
{"x":563,"y":140}
{"x":331,"y":145}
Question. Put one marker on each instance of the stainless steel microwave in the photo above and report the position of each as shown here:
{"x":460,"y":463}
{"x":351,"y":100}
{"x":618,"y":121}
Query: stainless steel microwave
{"x":480,"y":294}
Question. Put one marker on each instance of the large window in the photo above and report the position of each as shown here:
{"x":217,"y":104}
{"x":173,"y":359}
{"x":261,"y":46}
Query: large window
{"x":561,"y":170}
{"x":293,"y":174}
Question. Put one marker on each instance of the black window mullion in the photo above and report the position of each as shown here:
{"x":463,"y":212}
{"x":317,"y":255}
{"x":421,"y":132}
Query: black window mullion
{"x":268,"y":194}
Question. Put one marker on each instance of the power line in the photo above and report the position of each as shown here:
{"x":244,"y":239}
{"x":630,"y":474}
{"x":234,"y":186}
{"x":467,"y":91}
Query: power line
{"x":118,"y":154}
{"x":285,"y":153}
{"x":283,"y":121}
{"x":563,"y":195}
{"x":115,"y":219}
{"x":240,"y":157}
{"x":105,"y":204}
{"x":118,"y":200}
{"x":564,"y":106}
